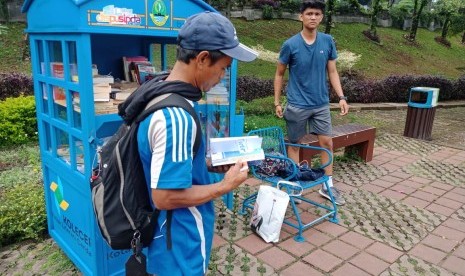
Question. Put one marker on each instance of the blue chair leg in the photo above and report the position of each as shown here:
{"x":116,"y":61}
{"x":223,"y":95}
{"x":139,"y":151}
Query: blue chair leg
{"x":298,"y":237}
{"x":246,"y":203}
{"x":333,"y":218}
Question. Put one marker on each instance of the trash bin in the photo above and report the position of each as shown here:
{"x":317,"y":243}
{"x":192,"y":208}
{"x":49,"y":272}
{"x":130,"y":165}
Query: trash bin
{"x":420,"y":113}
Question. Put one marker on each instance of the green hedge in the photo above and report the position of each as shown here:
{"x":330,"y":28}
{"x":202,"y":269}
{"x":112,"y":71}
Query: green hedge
{"x":18,"y":123}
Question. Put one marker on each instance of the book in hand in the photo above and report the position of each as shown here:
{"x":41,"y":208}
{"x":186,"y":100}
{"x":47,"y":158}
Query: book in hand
{"x":231,"y":149}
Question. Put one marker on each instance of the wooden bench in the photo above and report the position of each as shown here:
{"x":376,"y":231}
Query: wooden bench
{"x":353,"y":137}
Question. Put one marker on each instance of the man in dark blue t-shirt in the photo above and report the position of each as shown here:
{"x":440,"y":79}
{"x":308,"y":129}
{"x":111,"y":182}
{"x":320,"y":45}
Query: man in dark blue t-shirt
{"x":310,"y":56}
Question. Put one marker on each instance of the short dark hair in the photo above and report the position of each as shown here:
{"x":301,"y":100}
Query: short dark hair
{"x":185,"y":55}
{"x":313,"y":4}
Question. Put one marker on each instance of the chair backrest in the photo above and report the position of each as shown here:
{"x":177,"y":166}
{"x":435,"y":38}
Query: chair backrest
{"x":273,"y":140}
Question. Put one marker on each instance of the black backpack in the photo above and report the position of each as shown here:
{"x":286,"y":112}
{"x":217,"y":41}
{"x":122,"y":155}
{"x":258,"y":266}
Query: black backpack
{"x":120,"y":196}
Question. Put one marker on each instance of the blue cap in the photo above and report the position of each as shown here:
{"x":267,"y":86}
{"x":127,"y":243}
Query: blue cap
{"x":212,"y":31}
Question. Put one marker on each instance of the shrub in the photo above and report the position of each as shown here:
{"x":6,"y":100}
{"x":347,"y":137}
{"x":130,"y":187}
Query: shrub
{"x":260,"y":4}
{"x":23,"y":213}
{"x":18,"y":121}
{"x":14,"y":85}
{"x":267,"y":12}
{"x":458,"y":89}
{"x":249,"y":88}
{"x":292,"y":6}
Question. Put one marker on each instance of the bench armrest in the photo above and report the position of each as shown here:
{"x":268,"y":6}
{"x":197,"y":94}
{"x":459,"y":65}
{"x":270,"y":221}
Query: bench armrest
{"x":330,"y":160}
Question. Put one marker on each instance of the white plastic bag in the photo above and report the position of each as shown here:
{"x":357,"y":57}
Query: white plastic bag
{"x":268,"y":213}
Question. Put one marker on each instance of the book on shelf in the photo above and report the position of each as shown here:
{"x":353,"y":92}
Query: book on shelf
{"x":144,"y":71}
{"x":103,"y":79}
{"x":57,"y":70}
{"x":126,"y":64}
{"x":231,"y":149}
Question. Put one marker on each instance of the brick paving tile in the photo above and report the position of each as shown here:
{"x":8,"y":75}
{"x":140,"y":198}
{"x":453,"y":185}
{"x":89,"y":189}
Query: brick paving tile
{"x":300,"y":269}
{"x":369,"y":263}
{"x":218,"y":241}
{"x":341,"y":249}
{"x":442,"y":186}
{"x":449,"y":233}
{"x":434,"y":190}
{"x":455,"y":196}
{"x":384,"y":252}
{"x":372,"y":188}
{"x":382,"y":183}
{"x":460,"y":251}
{"x":419,"y":203}
{"x":439,"y":243}
{"x":453,"y":161}
{"x":253,"y":244}
{"x":377,"y":162}
{"x":448,"y":203}
{"x":296,"y":248}
{"x":356,"y":239}
{"x":409,"y":158}
{"x":421,"y":180}
{"x":276,"y":257}
{"x":390,"y":167}
{"x":400,"y":174}
{"x":400,"y":163}
{"x":322,"y":260}
{"x":315,"y":237}
{"x":412,"y":184}
{"x":382,"y":158}
{"x":460,"y":191}
{"x":403,"y":189}
{"x":428,"y":254}
{"x":454,"y":264}
{"x":349,"y":270}
{"x":390,"y":178}
{"x":436,"y":208}
{"x":425,"y":196}
{"x":393,"y":194}
{"x":332,"y":229}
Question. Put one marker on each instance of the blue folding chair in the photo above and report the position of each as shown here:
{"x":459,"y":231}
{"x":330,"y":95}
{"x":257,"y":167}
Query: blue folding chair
{"x":274,"y":147}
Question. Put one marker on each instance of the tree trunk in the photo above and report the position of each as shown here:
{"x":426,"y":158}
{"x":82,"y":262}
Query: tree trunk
{"x":228,"y":9}
{"x":445,"y":27}
{"x":416,"y":19}
{"x":374,"y":18}
{"x":329,"y":16}
{"x":463,"y":38}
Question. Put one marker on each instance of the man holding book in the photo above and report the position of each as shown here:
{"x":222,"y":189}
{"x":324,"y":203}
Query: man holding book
{"x":178,"y":178}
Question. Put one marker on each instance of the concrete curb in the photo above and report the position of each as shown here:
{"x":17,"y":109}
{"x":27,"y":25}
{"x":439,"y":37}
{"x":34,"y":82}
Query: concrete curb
{"x":392,"y":106}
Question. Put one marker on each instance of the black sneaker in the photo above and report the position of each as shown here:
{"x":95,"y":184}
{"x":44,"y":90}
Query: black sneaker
{"x":338,"y":198}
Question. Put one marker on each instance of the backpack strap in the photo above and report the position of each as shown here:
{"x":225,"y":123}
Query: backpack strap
{"x":173,"y":100}
{"x":159,"y":102}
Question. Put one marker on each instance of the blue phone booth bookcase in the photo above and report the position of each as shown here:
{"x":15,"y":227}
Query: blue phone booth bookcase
{"x":68,"y":40}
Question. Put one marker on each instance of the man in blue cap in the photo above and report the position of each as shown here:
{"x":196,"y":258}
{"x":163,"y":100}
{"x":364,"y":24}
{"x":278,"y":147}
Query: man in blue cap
{"x":177,"y":177}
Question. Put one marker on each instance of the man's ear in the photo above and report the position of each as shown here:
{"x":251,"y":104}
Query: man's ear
{"x":203,"y":58}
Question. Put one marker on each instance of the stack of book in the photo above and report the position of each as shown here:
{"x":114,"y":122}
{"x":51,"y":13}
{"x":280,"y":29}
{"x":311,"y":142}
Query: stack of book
{"x":120,"y":91}
{"x":102,"y":87}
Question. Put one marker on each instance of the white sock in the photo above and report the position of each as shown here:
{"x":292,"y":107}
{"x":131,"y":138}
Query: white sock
{"x":330,"y":182}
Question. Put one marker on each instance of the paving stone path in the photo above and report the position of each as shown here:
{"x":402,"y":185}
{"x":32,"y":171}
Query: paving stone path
{"x":405,"y":215}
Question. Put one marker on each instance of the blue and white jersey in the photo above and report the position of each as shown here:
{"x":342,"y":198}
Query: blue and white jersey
{"x":165,"y":141}
{"x":308,"y":87}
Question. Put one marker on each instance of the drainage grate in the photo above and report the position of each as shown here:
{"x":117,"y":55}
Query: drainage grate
{"x":407,"y":145}
{"x":230,"y":259}
{"x":435,"y":170}
{"x":386,"y":220}
{"x":357,"y":173}
{"x":409,"y":265}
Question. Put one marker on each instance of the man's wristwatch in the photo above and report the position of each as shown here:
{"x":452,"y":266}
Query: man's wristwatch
{"x":343,"y":98}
